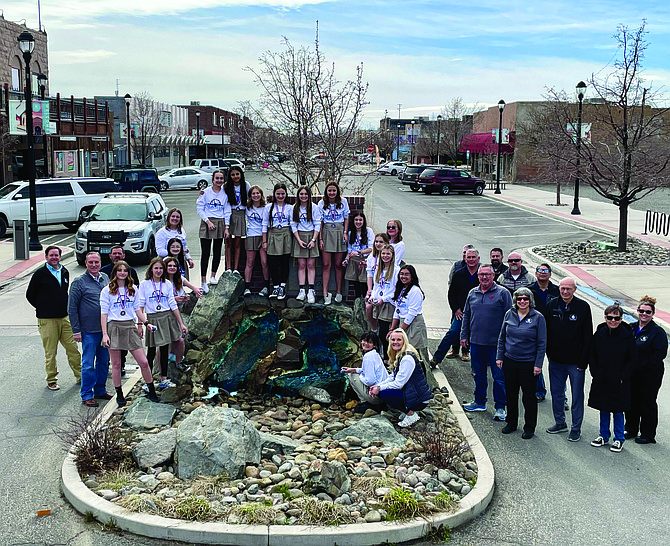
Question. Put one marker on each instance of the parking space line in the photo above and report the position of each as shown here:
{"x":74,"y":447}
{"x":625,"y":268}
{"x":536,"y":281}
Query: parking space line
{"x":536,"y":234}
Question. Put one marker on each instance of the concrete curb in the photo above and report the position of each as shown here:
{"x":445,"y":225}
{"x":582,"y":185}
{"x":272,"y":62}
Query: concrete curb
{"x":26,"y":267}
{"x":86,"y":501}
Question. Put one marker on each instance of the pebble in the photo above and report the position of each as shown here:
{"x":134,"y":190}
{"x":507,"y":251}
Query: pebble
{"x":373,"y":516}
{"x":588,"y":252}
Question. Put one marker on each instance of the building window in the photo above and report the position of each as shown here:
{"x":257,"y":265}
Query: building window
{"x":16,"y":79}
{"x":214,"y":119}
{"x":222,"y":121}
{"x":165,"y":119}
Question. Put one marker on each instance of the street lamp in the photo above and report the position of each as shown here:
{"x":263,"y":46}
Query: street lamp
{"x":42,"y":81}
{"x":128,"y":157}
{"x":197,"y":133}
{"x":397,"y":151}
{"x":412,"y":158}
{"x":27,"y":45}
{"x":581,"y":91}
{"x":439,"y":119}
{"x":501,"y":107}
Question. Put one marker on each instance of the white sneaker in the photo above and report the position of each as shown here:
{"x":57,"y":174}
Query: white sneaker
{"x":205,"y":288}
{"x":409,"y":420}
{"x":281,"y":294}
{"x":311,"y":298}
{"x":247,"y":292}
{"x":228,"y":270}
{"x":338,"y":298}
{"x":275,"y":292}
{"x":327,"y":300}
{"x":236,"y":272}
{"x":301,"y":295}
{"x":263,"y":292}
{"x":213,"y":280}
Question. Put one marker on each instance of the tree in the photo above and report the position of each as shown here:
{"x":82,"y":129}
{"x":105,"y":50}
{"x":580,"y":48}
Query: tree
{"x":456,"y":123}
{"x":145,"y":114}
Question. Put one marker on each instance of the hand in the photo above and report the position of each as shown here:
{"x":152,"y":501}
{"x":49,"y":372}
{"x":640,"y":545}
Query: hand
{"x":191,"y":263}
{"x":140,"y":330}
{"x":459,"y":314}
{"x":210,"y":225}
{"x":184,"y":330}
{"x":105,"y":340}
{"x":226,"y":234}
{"x":388,"y":334}
{"x":321,"y":244}
{"x":348,"y":370}
{"x":198,"y":293}
{"x":499,"y":363}
{"x":464,"y":343}
{"x":311,"y":244}
{"x":180,"y":299}
{"x":345,"y":238}
{"x":374,"y":390}
{"x":537,"y":371}
{"x":201,"y":192}
{"x":377,"y":302}
{"x":77,"y":338}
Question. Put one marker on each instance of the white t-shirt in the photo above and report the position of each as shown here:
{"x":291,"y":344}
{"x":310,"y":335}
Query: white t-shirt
{"x":356,"y":245}
{"x":123,"y":302}
{"x":164,"y":235}
{"x":409,"y":306}
{"x":384,"y":290}
{"x":372,"y":370}
{"x":237,"y":204}
{"x":405,"y":371}
{"x":281,"y":216}
{"x":213,"y":205}
{"x":399,"y":250}
{"x":305,"y":225}
{"x":256,"y":216}
{"x":153,"y":295}
{"x":332,"y":214}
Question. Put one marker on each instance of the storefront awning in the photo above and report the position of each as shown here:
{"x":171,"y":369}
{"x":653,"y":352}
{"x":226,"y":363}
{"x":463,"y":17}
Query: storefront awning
{"x":483,"y":143}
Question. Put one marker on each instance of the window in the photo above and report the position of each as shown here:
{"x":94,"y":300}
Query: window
{"x":464,"y":174}
{"x":149,"y":176}
{"x":24,"y":193}
{"x":214,"y":119}
{"x":98,"y":186}
{"x":55,"y":190}
{"x":95,"y":162}
{"x":222,"y":121}
{"x":165,"y":118}
{"x":16,"y":79}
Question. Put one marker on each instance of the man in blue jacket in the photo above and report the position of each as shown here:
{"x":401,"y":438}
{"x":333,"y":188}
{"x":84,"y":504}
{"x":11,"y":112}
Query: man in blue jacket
{"x":484,"y":312}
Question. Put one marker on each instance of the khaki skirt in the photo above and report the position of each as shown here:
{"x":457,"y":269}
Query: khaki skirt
{"x":167,"y":329}
{"x":300,"y":252}
{"x":280,"y":241}
{"x":417,"y":333}
{"x":123,"y":335}
{"x":238,"y":223}
{"x":354,"y":271}
{"x":383,"y":312}
{"x":255,"y":242}
{"x":216,"y":233}
{"x":332,"y":238}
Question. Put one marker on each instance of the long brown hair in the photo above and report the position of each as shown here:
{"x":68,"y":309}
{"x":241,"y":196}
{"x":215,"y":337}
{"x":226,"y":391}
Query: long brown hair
{"x":150,"y":273}
{"x":308,"y":205}
{"x":114,"y":286}
{"x":388,"y":271}
{"x":384,"y":237}
{"x":176,"y":278}
{"x":181,"y":219}
{"x":338,"y":197}
{"x":250,"y":203}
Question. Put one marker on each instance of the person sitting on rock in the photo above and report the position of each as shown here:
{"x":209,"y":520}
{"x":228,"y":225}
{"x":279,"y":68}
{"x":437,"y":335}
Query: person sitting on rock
{"x":406,"y":389}
{"x":371,"y":372}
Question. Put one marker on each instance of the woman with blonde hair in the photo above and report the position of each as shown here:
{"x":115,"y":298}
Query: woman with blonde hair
{"x":383,"y":289}
{"x":406,"y":389}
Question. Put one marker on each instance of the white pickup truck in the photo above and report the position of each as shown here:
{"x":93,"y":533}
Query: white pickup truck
{"x":59,"y":200}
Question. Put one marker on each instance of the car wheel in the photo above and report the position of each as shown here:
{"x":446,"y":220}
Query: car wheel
{"x":81,"y":259}
{"x":164,"y":186}
{"x":394,"y":172}
{"x":3,"y":227}
{"x":149,"y":189}
{"x":202,"y":184}
{"x":414,"y":187}
{"x":479,"y":189}
{"x":445,"y":189}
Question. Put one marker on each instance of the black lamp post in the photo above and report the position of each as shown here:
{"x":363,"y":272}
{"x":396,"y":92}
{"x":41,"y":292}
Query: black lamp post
{"x":27,"y":45}
{"x":439,"y":119}
{"x":581,"y":91}
{"x":197,"y":134}
{"x":128,"y":156}
{"x":397,"y":152}
{"x":501,"y":107}
{"x":42,"y":81}
{"x":413,"y":138}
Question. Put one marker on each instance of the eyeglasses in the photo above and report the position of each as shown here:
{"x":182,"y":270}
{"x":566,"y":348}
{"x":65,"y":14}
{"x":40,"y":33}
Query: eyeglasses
{"x":391,"y":227}
{"x":404,"y":274}
{"x":645,"y":311}
{"x":513,"y":260}
{"x":615,"y":318}
{"x":541,"y":270}
{"x":522,"y":298}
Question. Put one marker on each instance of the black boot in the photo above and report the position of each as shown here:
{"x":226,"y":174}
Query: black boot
{"x":151,"y":395}
{"x":120,"y":399}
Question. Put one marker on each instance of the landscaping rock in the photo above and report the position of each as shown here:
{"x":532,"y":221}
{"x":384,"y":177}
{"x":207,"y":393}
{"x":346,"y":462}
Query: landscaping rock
{"x":316,"y":394}
{"x":209,"y":310}
{"x":155,"y":449}
{"x":373,"y":429}
{"x":328,"y":477}
{"x":145,"y":414}
{"x":280,"y":444}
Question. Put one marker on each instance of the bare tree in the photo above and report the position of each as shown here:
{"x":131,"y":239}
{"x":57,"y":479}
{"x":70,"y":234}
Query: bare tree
{"x":145,"y":114}
{"x":456,"y":123}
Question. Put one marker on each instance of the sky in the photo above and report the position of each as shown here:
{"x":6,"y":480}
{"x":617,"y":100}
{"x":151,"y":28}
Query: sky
{"x":418,"y":53}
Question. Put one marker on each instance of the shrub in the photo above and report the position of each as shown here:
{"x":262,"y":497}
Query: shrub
{"x":400,"y":504}
{"x":193,"y":508}
{"x":441,"y":445}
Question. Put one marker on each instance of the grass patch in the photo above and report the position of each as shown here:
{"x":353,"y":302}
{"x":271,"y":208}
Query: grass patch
{"x":194,"y":508}
{"x":444,"y":502}
{"x":472,"y":482}
{"x":284,"y":490}
{"x":111,"y":526}
{"x":209,"y":485}
{"x":256,"y":513}
{"x":316,"y":512}
{"x":438,"y":534}
{"x":89,"y":517}
{"x":147,"y":504}
{"x":400,"y":504}
{"x":369,"y":485}
{"x":117,"y":479}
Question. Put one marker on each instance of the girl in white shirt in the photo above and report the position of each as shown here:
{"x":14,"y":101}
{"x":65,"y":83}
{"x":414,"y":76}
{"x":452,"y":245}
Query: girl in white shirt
{"x":277,"y":239}
{"x":174,"y":229}
{"x":380,"y":240}
{"x":119,"y":306}
{"x":383,"y":289}
{"x":253,"y":244}
{"x":360,"y":239}
{"x":394,"y":231}
{"x":237,"y":192}
{"x":214,"y":211}
{"x":371,"y":372}
{"x":306,"y":225}
{"x":333,"y":238}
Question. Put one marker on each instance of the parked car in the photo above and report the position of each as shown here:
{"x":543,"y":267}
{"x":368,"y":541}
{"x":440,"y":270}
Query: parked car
{"x":185,"y":177}
{"x":59,"y":200}
{"x":131,"y":179}
{"x":210,"y":165}
{"x":410,"y":176}
{"x":447,"y":181}
{"x":392,"y":167}
{"x":130,"y":219}
{"x":232,"y":162}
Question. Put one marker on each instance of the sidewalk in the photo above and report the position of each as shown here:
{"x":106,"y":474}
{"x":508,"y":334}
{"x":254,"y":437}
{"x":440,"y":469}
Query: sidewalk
{"x":626,"y":284}
{"x":11,"y":268}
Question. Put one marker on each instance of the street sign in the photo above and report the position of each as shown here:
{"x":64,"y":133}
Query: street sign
{"x":371,"y":149}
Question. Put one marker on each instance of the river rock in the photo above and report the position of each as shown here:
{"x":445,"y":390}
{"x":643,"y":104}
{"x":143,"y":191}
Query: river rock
{"x":210,"y":309}
{"x":280,"y":444}
{"x":145,"y":414}
{"x":316,"y":394}
{"x":373,"y":429}
{"x":155,"y":449}
{"x":328,"y":477}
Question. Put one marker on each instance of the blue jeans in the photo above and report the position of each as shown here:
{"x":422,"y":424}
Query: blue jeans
{"x":540,"y":389}
{"x":605,"y":426}
{"x":483,"y":357}
{"x":451,"y":337}
{"x":558,"y":374}
{"x":94,"y":366}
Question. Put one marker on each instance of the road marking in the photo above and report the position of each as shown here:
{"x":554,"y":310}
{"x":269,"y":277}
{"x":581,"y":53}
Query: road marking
{"x":535,"y":234}
{"x":512,"y":226}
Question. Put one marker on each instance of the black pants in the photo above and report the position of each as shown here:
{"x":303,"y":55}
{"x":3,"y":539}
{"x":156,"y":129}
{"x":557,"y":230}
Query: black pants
{"x":643,"y":414}
{"x":360,"y":288}
{"x":382,"y":332}
{"x":205,"y":248}
{"x":165,"y":352}
{"x":520,"y":375}
{"x":279,"y":267}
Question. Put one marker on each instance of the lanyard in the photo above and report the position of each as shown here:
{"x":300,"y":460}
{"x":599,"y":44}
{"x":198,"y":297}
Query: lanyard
{"x":159,"y":292}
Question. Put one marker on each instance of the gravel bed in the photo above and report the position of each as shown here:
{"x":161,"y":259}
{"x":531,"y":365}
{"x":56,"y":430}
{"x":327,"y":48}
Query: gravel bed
{"x":592,"y":252}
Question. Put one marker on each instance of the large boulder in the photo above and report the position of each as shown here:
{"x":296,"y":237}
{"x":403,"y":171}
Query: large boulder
{"x":211,"y":308}
{"x":374,"y":429}
{"x":327,"y":477}
{"x":155,"y":449}
{"x":145,"y":414}
{"x":215,"y":440}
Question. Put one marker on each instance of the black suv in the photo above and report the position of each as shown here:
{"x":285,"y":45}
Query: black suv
{"x":131,"y":179}
{"x":410,"y":176}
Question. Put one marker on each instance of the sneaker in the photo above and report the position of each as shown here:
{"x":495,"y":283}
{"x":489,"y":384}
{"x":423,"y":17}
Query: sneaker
{"x":508,"y":429}
{"x":275,"y":292}
{"x":473,"y":406}
{"x":213,"y":280}
{"x":247,"y":292}
{"x":599,"y":442}
{"x":281,"y":294}
{"x":205,"y":288}
{"x":301,"y":295}
{"x":465,"y":357}
{"x":409,"y":420}
{"x":433,"y":363}
{"x":539,"y":398}
{"x":617,"y":446}
{"x":236,"y":272}
{"x":574,"y":436}
{"x":165,"y":384}
{"x":327,"y":300}
{"x":53,"y":386}
{"x":556,"y":429}
{"x":338,"y":299}
{"x":145,"y":387}
{"x":500,"y":414}
{"x":311,"y":297}
{"x":629,"y":435}
{"x":452,"y":354}
{"x":264,"y":292}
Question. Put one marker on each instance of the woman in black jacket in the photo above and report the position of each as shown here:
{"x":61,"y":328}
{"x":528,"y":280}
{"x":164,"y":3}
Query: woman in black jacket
{"x":612,"y":358}
{"x":652,"y":347}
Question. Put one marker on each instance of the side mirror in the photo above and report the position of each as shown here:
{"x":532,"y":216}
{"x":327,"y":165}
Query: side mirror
{"x":85,"y":214}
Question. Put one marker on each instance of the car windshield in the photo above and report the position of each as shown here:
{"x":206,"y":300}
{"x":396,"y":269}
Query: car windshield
{"x":413,"y":170}
{"x":9,"y":188}
{"x":131,"y":212}
{"x":428,"y":173}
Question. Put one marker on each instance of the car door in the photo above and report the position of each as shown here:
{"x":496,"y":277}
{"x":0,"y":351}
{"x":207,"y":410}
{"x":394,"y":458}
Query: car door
{"x":59,"y":205}
{"x":466,"y":180}
{"x":179,"y":178}
{"x":20,"y":207}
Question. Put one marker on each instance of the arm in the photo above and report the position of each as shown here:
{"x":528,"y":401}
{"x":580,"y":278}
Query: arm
{"x":405,"y":371}
{"x":414,"y":306}
{"x":200,"y":208}
{"x":196,"y":290}
{"x":541,"y":341}
{"x":502,"y":338}
{"x":161,"y":242}
{"x":586,"y":338}
{"x":465,"y":325}
{"x":104,"y":310}
{"x":31,"y":292}
{"x":73,"y":308}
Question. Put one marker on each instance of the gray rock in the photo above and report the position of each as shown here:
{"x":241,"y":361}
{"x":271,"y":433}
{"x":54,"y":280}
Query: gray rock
{"x":411,"y":480}
{"x":209,"y":310}
{"x":108,"y":494}
{"x":328,"y":477}
{"x":149,"y":481}
{"x":374,"y":429}
{"x":280,"y":444}
{"x":155,"y":449}
{"x":315,"y":393}
{"x":373,"y":516}
{"x":343,"y":499}
{"x":213,"y":440}
{"x":443,"y":475}
{"x":145,"y":414}
{"x":465,"y":490}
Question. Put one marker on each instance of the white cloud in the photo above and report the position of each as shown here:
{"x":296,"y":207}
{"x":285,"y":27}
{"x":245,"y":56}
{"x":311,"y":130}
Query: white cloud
{"x":82,"y":56}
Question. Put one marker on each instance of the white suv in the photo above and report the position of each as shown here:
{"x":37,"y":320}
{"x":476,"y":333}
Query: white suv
{"x":131,"y":219}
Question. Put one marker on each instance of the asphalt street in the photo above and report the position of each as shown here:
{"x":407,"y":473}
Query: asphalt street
{"x":548,"y":491}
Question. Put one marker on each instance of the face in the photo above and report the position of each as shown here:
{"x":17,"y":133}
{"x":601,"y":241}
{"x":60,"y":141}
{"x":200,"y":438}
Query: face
{"x":172,"y":268}
{"x":405,"y":276}
{"x":367,"y":345}
{"x":280,"y":195}
{"x":358,"y":222}
{"x":175,"y":249}
{"x":157,"y":270}
{"x":53,"y":258}
{"x":514,"y":262}
{"x":567,"y":288}
{"x":645,"y":312}
{"x":613,"y":320}
{"x":255,"y":196}
{"x":93,"y":264}
{"x":523,"y":302}
{"x":392,"y":229}
{"x":386,"y":255}
{"x":542,"y":273}
{"x":379,"y":243}
{"x":235,"y":176}
{"x":117,"y":254}
{"x":218,"y":180}
{"x":122,"y":273}
{"x":303,"y":196}
{"x":471,"y":258}
{"x":485,"y":276}
{"x":465,"y":251}
{"x":496,"y":258}
{"x":174,"y":219}
{"x":396,"y":341}
{"x":331,"y":192}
